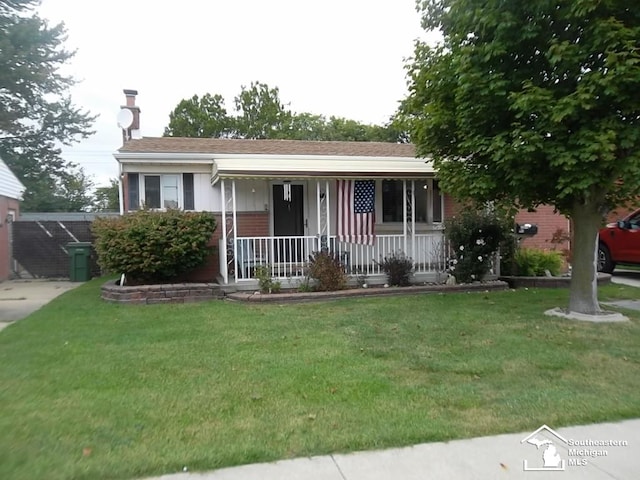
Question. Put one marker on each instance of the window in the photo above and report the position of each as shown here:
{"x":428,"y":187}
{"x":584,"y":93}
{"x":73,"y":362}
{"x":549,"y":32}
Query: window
{"x":161,"y":191}
{"x":428,"y":201}
{"x":392,"y":201}
{"x":152,"y":191}
{"x":169,"y":191}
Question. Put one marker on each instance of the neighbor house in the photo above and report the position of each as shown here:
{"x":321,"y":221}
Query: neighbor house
{"x":278,"y":201}
{"x":11,"y":190}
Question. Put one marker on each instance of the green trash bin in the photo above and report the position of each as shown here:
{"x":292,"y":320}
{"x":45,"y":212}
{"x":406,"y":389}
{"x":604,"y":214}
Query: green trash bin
{"x":80,"y":261}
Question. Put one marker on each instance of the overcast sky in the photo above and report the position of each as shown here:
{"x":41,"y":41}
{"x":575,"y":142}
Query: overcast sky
{"x":329,"y":57}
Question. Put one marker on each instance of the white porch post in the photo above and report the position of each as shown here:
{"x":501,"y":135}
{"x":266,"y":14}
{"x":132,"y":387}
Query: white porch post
{"x":413,"y":221}
{"x":324,"y":215}
{"x":328,"y":209}
{"x":235,"y":229}
{"x":404,"y":215}
{"x":319,"y":213}
{"x":224,"y":271}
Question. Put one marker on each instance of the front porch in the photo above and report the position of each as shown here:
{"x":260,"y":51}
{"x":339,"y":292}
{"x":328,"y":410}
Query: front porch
{"x":297,"y":231}
{"x":287,"y":257}
{"x":361,"y":208}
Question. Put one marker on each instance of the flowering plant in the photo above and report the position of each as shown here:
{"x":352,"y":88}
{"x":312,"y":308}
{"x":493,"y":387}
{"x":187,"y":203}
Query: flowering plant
{"x":474,"y":237}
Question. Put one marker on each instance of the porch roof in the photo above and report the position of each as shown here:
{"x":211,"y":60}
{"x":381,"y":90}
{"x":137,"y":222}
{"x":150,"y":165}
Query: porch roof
{"x":240,"y":158}
{"x":296,"y":166}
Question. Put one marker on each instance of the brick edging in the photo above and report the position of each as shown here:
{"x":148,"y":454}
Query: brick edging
{"x":163,"y":293}
{"x":365,"y":292}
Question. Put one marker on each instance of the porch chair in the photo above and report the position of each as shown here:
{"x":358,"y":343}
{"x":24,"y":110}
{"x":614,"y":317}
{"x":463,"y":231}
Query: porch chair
{"x":247,"y":260}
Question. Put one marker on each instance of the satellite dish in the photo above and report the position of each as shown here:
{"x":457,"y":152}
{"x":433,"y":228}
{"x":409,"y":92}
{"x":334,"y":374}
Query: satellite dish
{"x":125,"y":118}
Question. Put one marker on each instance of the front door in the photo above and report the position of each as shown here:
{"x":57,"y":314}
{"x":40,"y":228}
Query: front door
{"x":288,"y":221}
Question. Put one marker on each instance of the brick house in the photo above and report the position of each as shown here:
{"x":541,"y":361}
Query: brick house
{"x":277,"y":201}
{"x":11,"y":190}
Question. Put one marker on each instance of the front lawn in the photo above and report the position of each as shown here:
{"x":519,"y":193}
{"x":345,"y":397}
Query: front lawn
{"x":90,"y":390}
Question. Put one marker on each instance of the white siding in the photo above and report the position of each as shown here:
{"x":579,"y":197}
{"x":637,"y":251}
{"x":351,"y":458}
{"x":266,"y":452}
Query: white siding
{"x":252,"y":195}
{"x":207,"y":198}
{"x":10,"y":186}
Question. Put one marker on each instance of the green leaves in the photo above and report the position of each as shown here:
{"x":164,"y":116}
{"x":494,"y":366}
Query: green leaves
{"x":151,"y":246}
{"x":36,"y":113}
{"x":259,"y":113}
{"x":530,"y":102}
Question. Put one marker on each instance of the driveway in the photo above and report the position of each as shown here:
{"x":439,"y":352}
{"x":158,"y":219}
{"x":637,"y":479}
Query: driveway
{"x":20,"y":298}
{"x":626,"y":277}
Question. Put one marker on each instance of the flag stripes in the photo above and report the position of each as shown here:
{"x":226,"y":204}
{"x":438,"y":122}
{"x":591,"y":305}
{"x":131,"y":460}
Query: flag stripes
{"x":356,"y":211}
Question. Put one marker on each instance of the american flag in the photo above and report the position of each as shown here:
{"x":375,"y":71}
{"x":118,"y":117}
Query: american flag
{"x":356,"y":211}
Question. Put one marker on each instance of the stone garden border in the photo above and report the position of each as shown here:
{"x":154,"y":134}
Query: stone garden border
{"x":161,"y":293}
{"x":548,"y":282}
{"x":195,"y":292}
{"x":287,"y":297}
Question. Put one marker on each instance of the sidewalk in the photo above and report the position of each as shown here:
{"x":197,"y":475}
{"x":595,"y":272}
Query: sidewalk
{"x":498,"y":457}
{"x":20,"y":298}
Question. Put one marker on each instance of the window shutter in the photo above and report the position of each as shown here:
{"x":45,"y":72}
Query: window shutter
{"x":437,"y":202}
{"x":133,"y":192}
{"x":188,"y":191}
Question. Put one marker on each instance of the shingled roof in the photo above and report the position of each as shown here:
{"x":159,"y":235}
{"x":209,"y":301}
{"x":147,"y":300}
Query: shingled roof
{"x":266,"y":147}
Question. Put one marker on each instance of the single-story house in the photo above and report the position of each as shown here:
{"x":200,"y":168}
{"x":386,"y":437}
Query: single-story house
{"x":11,"y":190}
{"x":278,"y":201}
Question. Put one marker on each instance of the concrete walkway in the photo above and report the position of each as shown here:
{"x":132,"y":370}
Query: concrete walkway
{"x":580,"y":453}
{"x":20,"y":298}
{"x":626,"y":277}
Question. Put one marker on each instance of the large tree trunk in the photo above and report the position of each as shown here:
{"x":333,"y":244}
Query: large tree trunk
{"x":583,"y":296}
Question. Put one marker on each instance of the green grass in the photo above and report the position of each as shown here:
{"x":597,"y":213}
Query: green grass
{"x":150,"y":389}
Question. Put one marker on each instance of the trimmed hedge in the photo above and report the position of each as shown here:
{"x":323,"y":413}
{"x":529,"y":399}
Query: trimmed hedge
{"x":153,"y":246}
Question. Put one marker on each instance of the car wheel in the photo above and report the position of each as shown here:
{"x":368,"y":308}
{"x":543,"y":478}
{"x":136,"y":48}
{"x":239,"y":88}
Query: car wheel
{"x":605,"y":264}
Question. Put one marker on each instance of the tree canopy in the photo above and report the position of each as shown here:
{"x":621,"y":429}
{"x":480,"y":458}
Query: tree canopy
{"x":259,"y":113}
{"x":107,"y":198}
{"x":533,"y":103}
{"x":36,"y":112}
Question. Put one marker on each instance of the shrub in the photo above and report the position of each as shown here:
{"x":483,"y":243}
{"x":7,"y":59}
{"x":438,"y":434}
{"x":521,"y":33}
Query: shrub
{"x":265,"y":282}
{"x":475,"y":237}
{"x":532,"y":262}
{"x":151,"y":246}
{"x":398,"y":268}
{"x":328,"y":271}
{"x":508,"y":249}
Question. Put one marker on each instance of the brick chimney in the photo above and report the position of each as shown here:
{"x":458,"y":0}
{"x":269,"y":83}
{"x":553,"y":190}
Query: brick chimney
{"x":134,"y":129}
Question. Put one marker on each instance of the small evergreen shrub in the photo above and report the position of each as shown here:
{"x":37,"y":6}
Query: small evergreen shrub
{"x":398,"y":268}
{"x":328,"y":271}
{"x":153,"y":246}
{"x":532,"y":262}
{"x":265,"y":282}
{"x":508,"y":248}
{"x":475,"y":236}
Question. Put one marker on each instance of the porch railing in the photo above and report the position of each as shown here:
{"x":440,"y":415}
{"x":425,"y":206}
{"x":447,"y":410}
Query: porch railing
{"x":286,"y":257}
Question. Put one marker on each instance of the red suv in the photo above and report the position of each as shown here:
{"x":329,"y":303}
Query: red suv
{"x":619,"y":243}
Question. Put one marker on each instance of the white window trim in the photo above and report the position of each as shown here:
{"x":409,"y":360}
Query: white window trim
{"x":142,"y":191}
